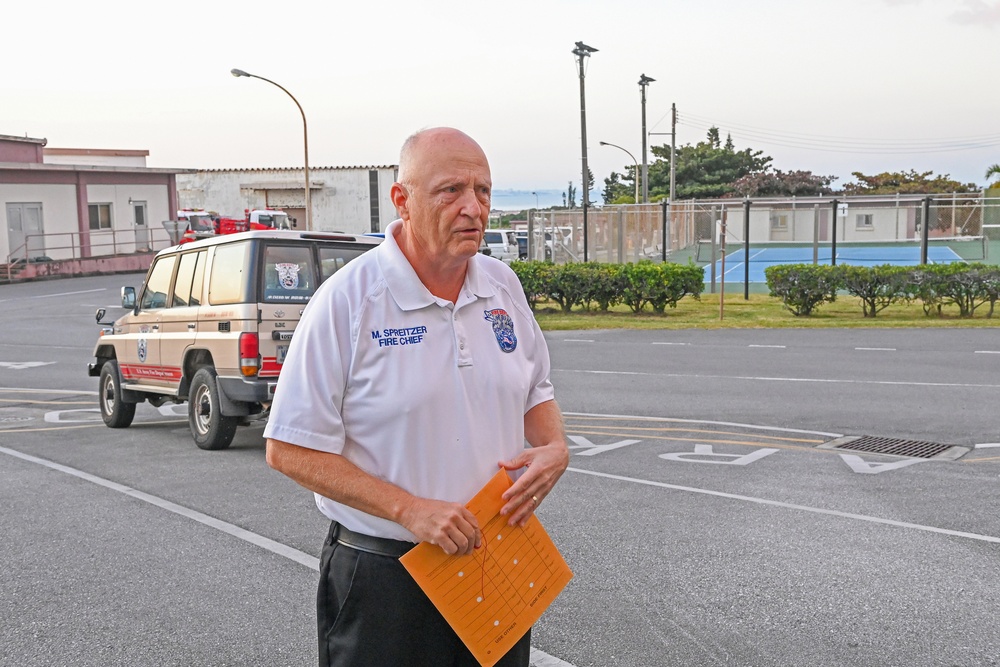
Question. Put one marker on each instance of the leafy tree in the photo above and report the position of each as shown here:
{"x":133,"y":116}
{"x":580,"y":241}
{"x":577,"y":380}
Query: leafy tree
{"x":905,"y":182}
{"x":617,"y":192}
{"x":993,"y":170}
{"x":706,"y":169}
{"x":569,"y":197}
{"x":782,"y":184}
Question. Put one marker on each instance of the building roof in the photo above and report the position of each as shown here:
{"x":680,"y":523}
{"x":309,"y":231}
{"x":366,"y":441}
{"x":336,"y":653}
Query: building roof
{"x":110,"y":152}
{"x":244,"y":170}
{"x":39,"y":166}
{"x":27,"y":140}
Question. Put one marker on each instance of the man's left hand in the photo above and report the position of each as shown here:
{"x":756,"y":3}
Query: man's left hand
{"x":545,"y":465}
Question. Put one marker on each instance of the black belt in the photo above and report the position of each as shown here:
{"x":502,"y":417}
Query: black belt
{"x":381,"y":546}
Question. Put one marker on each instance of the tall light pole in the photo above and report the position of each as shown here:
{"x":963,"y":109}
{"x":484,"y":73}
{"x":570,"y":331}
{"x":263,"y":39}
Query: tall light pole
{"x":583,"y":51}
{"x":536,"y":200}
{"x":643,"y":82}
{"x":604,"y":143}
{"x":305,"y":137}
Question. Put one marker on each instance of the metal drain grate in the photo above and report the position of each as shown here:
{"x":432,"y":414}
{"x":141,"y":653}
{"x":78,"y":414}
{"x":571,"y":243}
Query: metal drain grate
{"x":897,"y":446}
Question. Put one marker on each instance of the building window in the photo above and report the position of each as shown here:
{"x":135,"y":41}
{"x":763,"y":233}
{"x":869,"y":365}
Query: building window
{"x":373,"y":198}
{"x":865,"y":221}
{"x":100,"y":216}
{"x":779,"y":222}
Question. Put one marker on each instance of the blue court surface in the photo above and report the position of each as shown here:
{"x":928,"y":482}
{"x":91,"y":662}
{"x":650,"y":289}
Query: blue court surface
{"x":874,"y":255}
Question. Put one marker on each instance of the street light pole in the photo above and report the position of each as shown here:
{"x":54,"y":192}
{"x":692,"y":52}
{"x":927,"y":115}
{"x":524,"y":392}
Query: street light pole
{"x":643,"y":82}
{"x":305,"y":137}
{"x":604,"y":143}
{"x":583,"y":51}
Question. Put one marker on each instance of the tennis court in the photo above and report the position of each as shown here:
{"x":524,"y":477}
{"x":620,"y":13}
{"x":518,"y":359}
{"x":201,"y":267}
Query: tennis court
{"x":761,"y":256}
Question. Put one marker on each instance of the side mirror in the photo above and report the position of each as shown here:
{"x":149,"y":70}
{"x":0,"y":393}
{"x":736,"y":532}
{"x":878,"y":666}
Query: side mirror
{"x":100,"y":315}
{"x":128,"y":297}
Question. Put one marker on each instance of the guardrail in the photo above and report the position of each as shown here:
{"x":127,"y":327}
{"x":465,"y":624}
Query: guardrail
{"x":73,"y":254}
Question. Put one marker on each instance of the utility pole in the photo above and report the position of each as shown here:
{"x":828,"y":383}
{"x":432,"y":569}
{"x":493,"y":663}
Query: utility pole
{"x":583,"y":51}
{"x":673,"y":150}
{"x":643,"y":82}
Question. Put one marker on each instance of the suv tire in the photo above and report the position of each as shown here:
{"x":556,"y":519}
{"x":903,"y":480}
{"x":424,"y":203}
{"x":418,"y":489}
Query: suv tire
{"x":115,"y":412}
{"x":209,"y":427}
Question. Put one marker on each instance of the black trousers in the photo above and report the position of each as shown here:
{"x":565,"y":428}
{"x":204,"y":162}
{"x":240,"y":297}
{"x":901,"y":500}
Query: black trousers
{"x":370,"y":613}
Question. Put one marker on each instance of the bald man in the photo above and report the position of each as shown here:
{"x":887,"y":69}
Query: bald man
{"x":415,"y":373}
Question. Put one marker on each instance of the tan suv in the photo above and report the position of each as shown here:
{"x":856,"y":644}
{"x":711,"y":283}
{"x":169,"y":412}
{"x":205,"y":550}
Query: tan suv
{"x":211,"y":326}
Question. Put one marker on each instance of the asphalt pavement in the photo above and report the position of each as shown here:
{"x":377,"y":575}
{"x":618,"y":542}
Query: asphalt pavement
{"x":704,"y":515}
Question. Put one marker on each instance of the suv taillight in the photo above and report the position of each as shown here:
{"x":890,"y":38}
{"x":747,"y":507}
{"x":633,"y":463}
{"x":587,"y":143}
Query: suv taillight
{"x":249,"y":354}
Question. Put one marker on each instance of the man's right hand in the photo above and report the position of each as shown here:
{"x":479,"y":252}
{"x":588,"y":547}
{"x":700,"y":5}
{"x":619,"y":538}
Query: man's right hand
{"x":447,"y":525}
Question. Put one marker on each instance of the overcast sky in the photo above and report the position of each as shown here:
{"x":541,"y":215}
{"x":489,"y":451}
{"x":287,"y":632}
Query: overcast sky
{"x":892,"y":81}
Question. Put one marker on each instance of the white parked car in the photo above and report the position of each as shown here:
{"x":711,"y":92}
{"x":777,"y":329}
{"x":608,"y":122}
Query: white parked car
{"x":502,"y":243}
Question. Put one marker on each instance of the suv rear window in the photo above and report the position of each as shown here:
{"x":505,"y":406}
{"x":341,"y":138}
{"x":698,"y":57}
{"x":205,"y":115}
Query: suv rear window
{"x":333,"y":258}
{"x":288,"y":274}
{"x":494,"y":237}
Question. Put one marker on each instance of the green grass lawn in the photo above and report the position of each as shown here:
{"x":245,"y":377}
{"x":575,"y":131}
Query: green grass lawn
{"x":760,"y":312}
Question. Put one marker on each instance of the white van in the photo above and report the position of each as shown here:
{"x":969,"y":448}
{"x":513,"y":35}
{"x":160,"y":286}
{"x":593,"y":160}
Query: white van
{"x":502,"y":244}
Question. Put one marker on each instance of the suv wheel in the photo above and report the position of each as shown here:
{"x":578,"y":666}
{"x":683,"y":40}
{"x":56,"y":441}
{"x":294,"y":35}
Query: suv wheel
{"x":115,"y":412}
{"x":210,"y":428}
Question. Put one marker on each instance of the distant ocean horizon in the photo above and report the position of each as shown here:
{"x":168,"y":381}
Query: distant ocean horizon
{"x":520,"y":200}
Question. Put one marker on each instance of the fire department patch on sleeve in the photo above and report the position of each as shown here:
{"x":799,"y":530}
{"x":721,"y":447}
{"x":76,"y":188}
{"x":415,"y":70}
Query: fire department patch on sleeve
{"x":503,"y":328}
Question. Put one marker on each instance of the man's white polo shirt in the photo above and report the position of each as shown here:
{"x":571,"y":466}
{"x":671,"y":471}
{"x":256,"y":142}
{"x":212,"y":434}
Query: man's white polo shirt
{"x":410,"y":388}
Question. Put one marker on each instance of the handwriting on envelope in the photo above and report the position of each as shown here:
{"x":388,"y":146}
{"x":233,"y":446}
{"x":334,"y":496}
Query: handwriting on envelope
{"x":493,"y":596}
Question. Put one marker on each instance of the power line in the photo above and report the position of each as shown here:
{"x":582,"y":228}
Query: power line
{"x":828,"y":143}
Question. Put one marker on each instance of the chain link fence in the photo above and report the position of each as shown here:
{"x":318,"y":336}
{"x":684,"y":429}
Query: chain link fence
{"x":884,"y":229}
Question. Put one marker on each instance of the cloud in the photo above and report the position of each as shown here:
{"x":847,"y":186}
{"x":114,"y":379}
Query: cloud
{"x":978,"y":12}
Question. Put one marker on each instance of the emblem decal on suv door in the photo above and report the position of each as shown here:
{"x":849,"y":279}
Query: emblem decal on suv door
{"x":142,"y":350}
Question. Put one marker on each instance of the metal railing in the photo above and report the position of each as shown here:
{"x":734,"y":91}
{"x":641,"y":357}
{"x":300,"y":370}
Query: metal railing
{"x":73,"y":246}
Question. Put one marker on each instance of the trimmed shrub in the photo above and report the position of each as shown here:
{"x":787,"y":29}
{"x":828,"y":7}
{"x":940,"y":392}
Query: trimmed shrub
{"x":638,"y":283}
{"x":568,"y":284}
{"x":534,"y":277}
{"x":878,"y":287}
{"x":604,"y":285}
{"x":803,"y":287}
{"x":967,"y":286}
{"x":676,"y":282}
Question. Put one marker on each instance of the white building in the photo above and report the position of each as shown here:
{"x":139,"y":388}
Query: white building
{"x":71,"y":204}
{"x":345,"y":199}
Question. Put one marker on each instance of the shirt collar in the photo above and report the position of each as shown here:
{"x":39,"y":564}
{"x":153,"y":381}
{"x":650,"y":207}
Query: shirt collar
{"x":404,"y":285}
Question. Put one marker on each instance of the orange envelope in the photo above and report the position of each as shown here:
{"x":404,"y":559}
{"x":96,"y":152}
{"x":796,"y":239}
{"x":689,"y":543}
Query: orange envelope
{"x":494,"y":595}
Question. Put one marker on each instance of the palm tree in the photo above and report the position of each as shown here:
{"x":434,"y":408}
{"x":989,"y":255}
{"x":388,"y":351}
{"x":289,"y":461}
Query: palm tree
{"x":994,"y":170}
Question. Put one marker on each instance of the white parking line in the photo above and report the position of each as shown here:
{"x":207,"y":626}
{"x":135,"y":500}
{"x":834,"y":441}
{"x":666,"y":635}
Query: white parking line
{"x":753,"y":378}
{"x":876,"y":349}
{"x":987,"y":352}
{"x":26,"y":390}
{"x":228,"y":528}
{"x":792,"y":506}
{"x":49,"y":296}
{"x":782,"y":347}
{"x":677,"y":420}
{"x":664,"y":343}
{"x":537,"y":659}
{"x":542,"y":659}
{"x":577,"y":340}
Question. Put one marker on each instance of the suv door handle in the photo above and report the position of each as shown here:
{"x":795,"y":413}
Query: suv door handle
{"x":156,"y":327}
{"x":191,"y":326}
